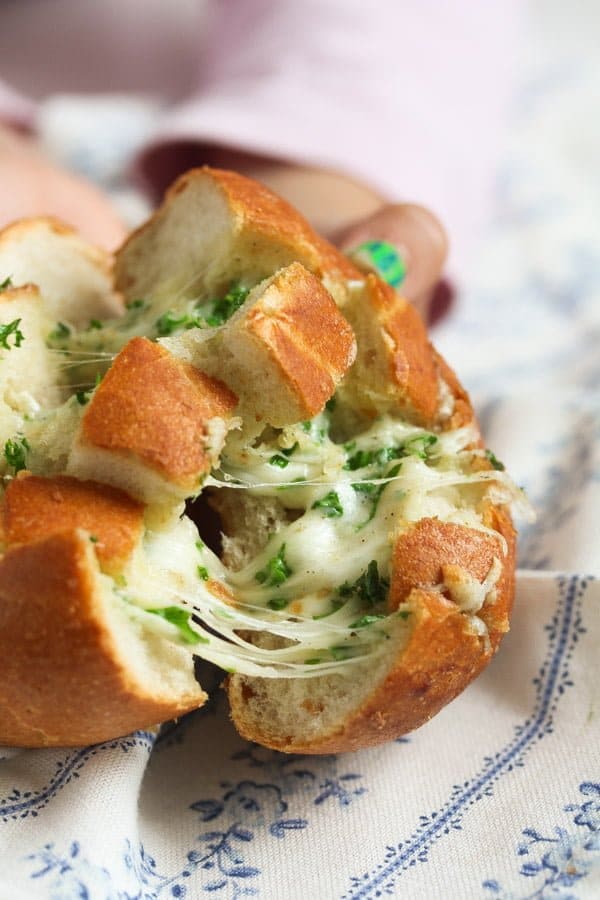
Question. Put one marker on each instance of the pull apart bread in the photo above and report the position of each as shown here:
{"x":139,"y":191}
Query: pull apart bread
{"x":230,"y":362}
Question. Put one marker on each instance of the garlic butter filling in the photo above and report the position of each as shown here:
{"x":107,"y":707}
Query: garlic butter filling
{"x":313,"y":600}
{"x":319,"y":586}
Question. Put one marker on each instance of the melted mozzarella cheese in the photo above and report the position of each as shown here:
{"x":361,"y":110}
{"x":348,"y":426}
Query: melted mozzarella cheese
{"x":350,"y":517}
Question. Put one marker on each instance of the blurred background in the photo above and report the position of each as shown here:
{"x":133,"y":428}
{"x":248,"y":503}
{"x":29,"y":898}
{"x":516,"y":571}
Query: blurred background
{"x":487,"y":113}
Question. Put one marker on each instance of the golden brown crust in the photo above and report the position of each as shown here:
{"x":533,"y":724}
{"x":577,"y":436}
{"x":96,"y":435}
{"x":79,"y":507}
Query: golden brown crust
{"x":34,"y":508}
{"x":395,"y":370}
{"x":412,"y":368}
{"x":270,"y":233}
{"x":306,"y":336}
{"x":154,"y":407}
{"x":23,"y":228}
{"x":462,"y":413}
{"x":496,"y":615}
{"x":443,"y":656}
{"x":69,"y":682}
{"x":421,"y":552}
{"x":28,"y":249}
{"x":274,"y":221}
{"x":65,"y":681}
{"x":444,"y":653}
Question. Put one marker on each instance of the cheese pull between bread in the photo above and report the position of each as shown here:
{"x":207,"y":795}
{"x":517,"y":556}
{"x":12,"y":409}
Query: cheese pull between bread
{"x":365,"y":571}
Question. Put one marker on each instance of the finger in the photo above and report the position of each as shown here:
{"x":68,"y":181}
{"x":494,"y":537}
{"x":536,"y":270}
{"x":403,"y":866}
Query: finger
{"x":416,"y":235}
{"x":85,"y":208}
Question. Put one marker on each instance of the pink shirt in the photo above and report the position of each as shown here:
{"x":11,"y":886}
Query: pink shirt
{"x":409,"y":96}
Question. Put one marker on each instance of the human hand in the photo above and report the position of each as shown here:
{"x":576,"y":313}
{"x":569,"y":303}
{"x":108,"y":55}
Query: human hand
{"x":30,"y":185}
{"x":418,"y":239}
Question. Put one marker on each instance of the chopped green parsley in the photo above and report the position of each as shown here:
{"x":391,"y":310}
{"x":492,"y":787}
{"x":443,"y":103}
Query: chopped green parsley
{"x":181,"y":619}
{"x":343,"y":651}
{"x":373,"y":492}
{"x":370,"y":588}
{"x":276,"y":570}
{"x":364,"y":621}
{"x":336,"y":603}
{"x":15,"y":453}
{"x":11,"y":330}
{"x":496,"y":464}
{"x":329,"y":505}
{"x":60,"y":333}
{"x":316,"y":434}
{"x":278,"y":460}
{"x":170,"y":322}
{"x":281,"y":459}
{"x":420,"y":445}
{"x":278,"y":603}
{"x":84,"y":397}
{"x":223,"y":309}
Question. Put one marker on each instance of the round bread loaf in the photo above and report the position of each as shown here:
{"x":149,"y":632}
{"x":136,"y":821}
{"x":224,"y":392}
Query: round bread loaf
{"x":230,"y":362}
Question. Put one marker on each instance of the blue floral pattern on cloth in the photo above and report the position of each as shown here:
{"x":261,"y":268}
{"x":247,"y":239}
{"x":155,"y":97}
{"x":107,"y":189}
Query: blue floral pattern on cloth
{"x":563,"y":632}
{"x":19,"y":803}
{"x":558,"y":863}
{"x":243,"y":812}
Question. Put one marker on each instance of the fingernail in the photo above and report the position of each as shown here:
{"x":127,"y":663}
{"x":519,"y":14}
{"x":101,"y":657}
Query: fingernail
{"x":382,"y":258}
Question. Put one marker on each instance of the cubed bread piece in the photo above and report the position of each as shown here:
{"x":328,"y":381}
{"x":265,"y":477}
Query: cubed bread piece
{"x":430,"y":658}
{"x":74,"y":277}
{"x":153,"y":427}
{"x":215,"y":227}
{"x":77,"y":669}
{"x":34,"y":508}
{"x":29,"y":372}
{"x":285,"y":350}
{"x":435,"y":650}
{"x":395,"y":370}
{"x":455,"y":410}
{"x":430,"y":553}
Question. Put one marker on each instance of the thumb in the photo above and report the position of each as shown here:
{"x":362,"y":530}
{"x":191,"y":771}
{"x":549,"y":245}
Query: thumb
{"x":407,"y":246}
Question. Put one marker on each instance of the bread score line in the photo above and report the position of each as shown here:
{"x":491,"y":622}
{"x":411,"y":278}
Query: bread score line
{"x":366,"y":572}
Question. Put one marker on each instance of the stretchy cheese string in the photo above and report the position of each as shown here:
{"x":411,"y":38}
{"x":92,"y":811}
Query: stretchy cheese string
{"x":308,"y":635}
{"x":97,"y":355}
{"x":227,"y":646}
{"x":513,"y":494}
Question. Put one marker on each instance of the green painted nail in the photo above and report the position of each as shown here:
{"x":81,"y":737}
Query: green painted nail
{"x":381,"y":258}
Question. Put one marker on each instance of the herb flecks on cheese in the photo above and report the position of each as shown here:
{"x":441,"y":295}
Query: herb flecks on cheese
{"x":15,"y":453}
{"x":314,"y":598}
{"x":11,"y":332}
{"x":276,"y":571}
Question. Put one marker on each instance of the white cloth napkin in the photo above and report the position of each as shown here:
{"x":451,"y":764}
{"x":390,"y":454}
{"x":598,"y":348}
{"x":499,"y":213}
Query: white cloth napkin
{"x":498,"y":796}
